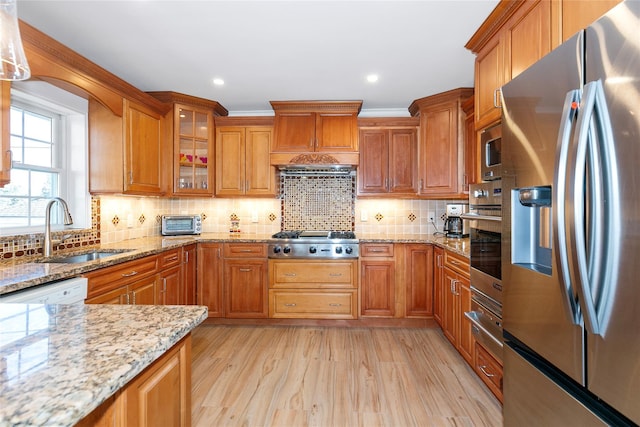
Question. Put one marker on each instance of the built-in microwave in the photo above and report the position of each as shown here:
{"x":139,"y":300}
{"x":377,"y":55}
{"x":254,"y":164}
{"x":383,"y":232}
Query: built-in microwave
{"x":491,"y":147}
{"x":175,"y":225}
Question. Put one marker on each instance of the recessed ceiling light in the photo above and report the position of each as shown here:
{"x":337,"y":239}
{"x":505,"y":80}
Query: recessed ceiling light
{"x":218,"y":82}
{"x":372,"y":78}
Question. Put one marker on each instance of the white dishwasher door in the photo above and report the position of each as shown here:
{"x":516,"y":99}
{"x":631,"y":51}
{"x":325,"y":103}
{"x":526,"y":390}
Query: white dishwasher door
{"x":70,"y":291}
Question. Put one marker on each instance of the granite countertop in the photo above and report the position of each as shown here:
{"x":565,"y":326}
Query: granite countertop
{"x":60,"y":362}
{"x":21,"y":274}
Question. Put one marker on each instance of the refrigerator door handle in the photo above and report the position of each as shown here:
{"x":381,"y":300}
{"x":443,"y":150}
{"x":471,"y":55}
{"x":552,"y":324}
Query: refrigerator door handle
{"x":593,"y":231}
{"x":560,"y":221}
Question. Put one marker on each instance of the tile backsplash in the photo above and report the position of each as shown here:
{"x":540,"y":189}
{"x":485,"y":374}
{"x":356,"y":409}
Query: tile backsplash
{"x":117,"y":218}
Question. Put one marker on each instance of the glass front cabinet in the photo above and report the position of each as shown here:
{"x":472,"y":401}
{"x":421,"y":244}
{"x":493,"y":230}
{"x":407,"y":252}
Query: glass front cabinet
{"x":193,"y":142}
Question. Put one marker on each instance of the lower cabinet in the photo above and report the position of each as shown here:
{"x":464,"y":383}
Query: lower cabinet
{"x":170,"y":290}
{"x":209,"y":278}
{"x":159,"y":396}
{"x":132,"y":282}
{"x":245,"y":280}
{"x":456,"y":301}
{"x":189,"y":273}
{"x":377,"y":280}
{"x":489,"y":370}
{"x":313,"y":289}
{"x":438,"y":284}
{"x":418,"y":278}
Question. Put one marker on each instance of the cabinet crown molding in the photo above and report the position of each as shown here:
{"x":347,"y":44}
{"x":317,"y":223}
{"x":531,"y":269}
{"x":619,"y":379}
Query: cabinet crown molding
{"x":461,"y":93}
{"x":317,"y":106}
{"x":496,"y":19}
{"x":180,"y":98}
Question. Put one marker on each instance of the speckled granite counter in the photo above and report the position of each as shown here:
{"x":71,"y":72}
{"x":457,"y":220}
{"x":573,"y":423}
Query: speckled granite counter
{"x":18,"y":275}
{"x":58,"y":363}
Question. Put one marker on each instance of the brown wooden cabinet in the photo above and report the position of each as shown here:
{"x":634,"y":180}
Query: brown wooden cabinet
{"x":126,"y":153}
{"x":419,"y":280}
{"x":315,"y":127}
{"x":209,"y":278}
{"x":457,"y":300}
{"x":577,"y":15}
{"x":159,"y":395}
{"x":377,"y":280}
{"x":170,"y":288}
{"x":242,"y":160}
{"x":189,"y":273}
{"x":471,"y":152}
{"x":489,"y":77}
{"x":489,"y":370}
{"x":245,"y":280}
{"x":313,"y":289}
{"x":388,"y":157}
{"x":439,"y":287}
{"x":442,"y":143}
{"x":190,"y":127}
{"x":5,"y":140}
{"x":132,"y":282}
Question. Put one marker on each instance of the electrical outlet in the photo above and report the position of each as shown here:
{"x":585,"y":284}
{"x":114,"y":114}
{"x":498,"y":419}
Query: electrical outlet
{"x":364,"y":216}
{"x":432,"y":216}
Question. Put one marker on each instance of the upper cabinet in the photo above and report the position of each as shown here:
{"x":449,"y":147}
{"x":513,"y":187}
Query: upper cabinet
{"x":242,"y":157}
{"x":126,"y":131}
{"x":441,"y":152}
{"x":388,"y":157}
{"x":517,"y":34}
{"x":315,"y":127}
{"x":577,"y":15}
{"x":190,"y":125}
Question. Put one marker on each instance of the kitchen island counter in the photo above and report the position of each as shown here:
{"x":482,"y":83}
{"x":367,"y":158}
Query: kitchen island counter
{"x":60,"y":362}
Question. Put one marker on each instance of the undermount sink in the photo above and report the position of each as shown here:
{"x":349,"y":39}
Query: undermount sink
{"x":85,"y":257}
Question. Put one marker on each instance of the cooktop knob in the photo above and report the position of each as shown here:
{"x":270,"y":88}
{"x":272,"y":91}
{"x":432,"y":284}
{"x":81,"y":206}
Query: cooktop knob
{"x":277,"y":249}
{"x":348,"y":250}
{"x":287,"y":249}
{"x":312,"y":249}
{"x":338,"y":249}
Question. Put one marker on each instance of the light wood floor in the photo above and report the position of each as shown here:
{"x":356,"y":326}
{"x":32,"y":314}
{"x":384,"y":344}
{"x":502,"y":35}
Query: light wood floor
{"x":320,"y":376}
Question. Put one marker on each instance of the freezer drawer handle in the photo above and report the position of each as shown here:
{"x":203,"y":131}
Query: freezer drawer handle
{"x":483,"y":368}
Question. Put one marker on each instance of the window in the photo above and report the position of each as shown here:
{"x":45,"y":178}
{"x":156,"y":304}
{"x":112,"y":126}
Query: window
{"x":48,"y":146}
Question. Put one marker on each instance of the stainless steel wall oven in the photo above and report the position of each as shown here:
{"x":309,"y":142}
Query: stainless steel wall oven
{"x":485,"y":236}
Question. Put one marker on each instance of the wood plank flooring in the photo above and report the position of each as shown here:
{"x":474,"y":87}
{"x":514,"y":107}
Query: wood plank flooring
{"x":326,"y":376}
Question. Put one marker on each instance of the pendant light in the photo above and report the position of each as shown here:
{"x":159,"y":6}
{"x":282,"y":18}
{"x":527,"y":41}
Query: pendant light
{"x":12,"y":57}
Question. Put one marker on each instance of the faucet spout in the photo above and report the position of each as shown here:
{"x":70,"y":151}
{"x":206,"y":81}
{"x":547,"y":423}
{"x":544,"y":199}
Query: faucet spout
{"x":48,"y":242}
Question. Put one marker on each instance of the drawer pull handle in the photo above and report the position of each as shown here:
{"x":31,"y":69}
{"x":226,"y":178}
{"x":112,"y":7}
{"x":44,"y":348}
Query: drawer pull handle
{"x":290,"y":274}
{"x":174,"y":258}
{"x":245,"y":270}
{"x":133,"y":273}
{"x":246,"y":250}
{"x":335,"y":274}
{"x":484,"y":371}
{"x":290,"y":305}
{"x":454,"y":262}
{"x":335,"y":304}
{"x":376,"y":250}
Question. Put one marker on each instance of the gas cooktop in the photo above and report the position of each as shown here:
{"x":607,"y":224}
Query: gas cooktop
{"x":314,"y":244}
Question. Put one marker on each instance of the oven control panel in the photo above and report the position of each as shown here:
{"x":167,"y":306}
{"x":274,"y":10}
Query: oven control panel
{"x":317,"y":250}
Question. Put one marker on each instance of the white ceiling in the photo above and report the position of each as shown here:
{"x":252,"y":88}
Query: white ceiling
{"x":274,"y":50}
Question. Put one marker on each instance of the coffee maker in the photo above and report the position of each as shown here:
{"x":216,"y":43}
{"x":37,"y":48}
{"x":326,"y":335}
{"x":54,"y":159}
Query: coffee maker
{"x":454,"y":226}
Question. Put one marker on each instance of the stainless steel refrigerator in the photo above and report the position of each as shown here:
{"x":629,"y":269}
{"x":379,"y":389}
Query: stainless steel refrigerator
{"x":571,"y":230}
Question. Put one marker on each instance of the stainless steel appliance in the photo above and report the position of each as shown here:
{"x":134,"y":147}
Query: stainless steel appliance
{"x":491,"y":153}
{"x":485,"y":227}
{"x":571,"y":241}
{"x":176,"y":225}
{"x":314,"y":245}
{"x":454,"y":226}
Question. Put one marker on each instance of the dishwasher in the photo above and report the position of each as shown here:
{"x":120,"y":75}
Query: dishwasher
{"x":69,"y":291}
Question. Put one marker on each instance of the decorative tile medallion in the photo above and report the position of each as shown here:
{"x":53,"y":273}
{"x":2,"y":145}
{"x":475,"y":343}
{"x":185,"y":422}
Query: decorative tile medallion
{"x":142,"y":219}
{"x":272,"y":217}
{"x":379,"y":217}
{"x":115,"y":220}
{"x":412,"y":217}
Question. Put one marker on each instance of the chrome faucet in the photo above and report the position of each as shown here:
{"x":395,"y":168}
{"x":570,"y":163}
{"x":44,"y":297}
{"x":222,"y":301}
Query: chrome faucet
{"x":48,"y":242}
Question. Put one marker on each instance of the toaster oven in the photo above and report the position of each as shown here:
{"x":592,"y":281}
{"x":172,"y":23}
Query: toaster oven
{"x":176,"y":225}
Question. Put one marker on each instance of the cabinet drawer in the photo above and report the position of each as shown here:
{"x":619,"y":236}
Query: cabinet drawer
{"x":312,"y":304}
{"x":285,"y":274}
{"x":169,"y":258}
{"x":109,"y":278}
{"x":244,"y":250}
{"x":376,"y":250}
{"x":457,"y":263}
{"x":489,"y":370}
